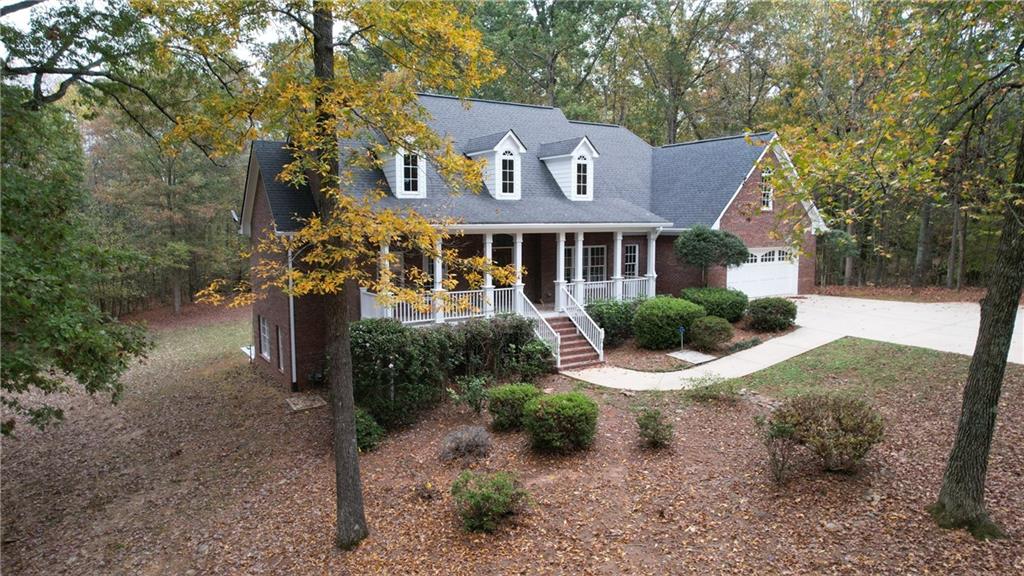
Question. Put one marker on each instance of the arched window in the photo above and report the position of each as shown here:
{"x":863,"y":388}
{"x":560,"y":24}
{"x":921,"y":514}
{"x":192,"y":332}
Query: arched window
{"x":751,"y":258}
{"x":508,"y":173}
{"x":582,"y":176}
{"x":767,"y":191}
{"x":768,"y":256}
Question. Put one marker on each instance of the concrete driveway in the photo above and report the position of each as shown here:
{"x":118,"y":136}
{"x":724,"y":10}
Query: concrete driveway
{"x":948,"y":327}
{"x":945,"y":326}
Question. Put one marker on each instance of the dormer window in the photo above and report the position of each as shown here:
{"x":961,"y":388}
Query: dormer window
{"x":409,"y":175}
{"x":582,"y":176}
{"x":767,"y":191}
{"x":508,"y":173}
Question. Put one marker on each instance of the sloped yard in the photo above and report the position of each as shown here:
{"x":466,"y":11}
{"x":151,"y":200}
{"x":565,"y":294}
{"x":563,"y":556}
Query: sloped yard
{"x":202,"y":470}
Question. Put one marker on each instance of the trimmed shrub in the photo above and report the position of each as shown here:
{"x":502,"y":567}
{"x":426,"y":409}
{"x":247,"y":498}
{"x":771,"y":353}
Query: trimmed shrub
{"x":472,"y":392}
{"x":368,"y":433}
{"x":722,"y":302}
{"x":780,"y":440}
{"x":466,"y":443}
{"x":657,"y":321}
{"x":709,"y":332}
{"x":506,"y":404}
{"x":484,"y":500}
{"x":840,"y":430}
{"x":532,"y":360}
{"x":561,"y":422}
{"x":655,"y":429}
{"x":399,"y":371}
{"x":616,"y":317}
{"x":772,"y":314}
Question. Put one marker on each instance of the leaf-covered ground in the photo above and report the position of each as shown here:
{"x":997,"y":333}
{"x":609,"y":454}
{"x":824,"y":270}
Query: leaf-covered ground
{"x":201,"y":469}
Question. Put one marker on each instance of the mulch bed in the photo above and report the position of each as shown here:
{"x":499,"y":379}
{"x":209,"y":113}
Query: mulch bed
{"x":206,"y":472}
{"x":629,"y":355}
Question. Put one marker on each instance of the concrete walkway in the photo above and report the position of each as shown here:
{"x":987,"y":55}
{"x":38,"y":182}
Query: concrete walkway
{"x":947,"y":327}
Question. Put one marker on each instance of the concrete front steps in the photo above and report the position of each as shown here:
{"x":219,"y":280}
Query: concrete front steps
{"x":576,"y":352}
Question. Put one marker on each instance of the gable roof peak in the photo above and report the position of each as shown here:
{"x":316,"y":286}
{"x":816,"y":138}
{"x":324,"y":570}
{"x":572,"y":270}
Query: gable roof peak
{"x":489,"y":142}
{"x":565,"y":147}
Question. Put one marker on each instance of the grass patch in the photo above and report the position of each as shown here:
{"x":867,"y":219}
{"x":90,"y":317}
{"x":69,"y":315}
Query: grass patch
{"x":713,"y":390}
{"x":852,"y":365}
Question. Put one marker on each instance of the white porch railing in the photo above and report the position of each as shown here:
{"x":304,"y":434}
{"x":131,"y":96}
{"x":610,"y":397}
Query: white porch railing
{"x":598,"y":291}
{"x":544,"y":330}
{"x":633,"y":288}
{"x":584,"y":323}
{"x":458,"y":305}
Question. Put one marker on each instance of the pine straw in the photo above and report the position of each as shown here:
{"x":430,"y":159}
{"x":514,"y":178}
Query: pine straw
{"x":202,"y":468}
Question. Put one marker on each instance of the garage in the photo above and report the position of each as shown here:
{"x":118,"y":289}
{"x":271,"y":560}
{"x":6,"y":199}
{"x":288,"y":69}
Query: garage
{"x":768,"y":272}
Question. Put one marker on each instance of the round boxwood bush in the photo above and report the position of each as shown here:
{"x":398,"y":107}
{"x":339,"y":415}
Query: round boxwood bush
{"x":840,"y":430}
{"x":506,"y":404}
{"x":772,"y":314}
{"x":657,"y":321}
{"x":722,"y":302}
{"x":561,"y":422}
{"x":615,"y":316}
{"x":709,"y":332}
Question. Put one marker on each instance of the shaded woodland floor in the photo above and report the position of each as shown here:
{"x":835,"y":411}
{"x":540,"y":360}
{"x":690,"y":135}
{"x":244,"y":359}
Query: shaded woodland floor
{"x":201,"y":469}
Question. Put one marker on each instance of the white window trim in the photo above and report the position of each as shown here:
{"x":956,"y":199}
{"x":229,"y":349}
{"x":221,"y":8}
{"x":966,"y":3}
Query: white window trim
{"x":588,"y":161}
{"x":569,"y":255}
{"x":264,"y":327}
{"x":421,"y":176}
{"x":499,"y":174}
{"x":280,"y":349}
{"x":631,"y":260}
{"x":767,"y":190}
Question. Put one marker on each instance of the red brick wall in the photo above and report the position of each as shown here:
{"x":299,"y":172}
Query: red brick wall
{"x":271,"y":304}
{"x":757,"y":228}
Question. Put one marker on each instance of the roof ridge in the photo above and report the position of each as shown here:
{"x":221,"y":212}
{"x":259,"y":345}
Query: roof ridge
{"x":523,"y":104}
{"x":595,"y":123}
{"x":744,"y":135}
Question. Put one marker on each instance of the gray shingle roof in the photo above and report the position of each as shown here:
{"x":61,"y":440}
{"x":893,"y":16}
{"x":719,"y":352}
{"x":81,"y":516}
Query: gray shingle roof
{"x":560,"y":148}
{"x":675,"y":186}
{"x":693,"y":182}
{"x":288,"y":204}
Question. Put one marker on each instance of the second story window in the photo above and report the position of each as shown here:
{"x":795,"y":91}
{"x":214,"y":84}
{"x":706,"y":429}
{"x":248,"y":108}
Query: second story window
{"x":508,"y":173}
{"x":410,"y":173}
{"x":581,"y":176}
{"x":767,"y":191}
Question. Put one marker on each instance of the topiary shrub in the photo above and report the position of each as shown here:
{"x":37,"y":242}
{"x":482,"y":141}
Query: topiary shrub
{"x":709,"y":332}
{"x":722,"y":302}
{"x":657,"y":321}
{"x":840,"y":430}
{"x":561,"y":422}
{"x":484,"y":500}
{"x":368,"y":433}
{"x":616,"y":317}
{"x":506,"y":404}
{"x":466,"y":443}
{"x":772,"y":314}
{"x":655,"y":429}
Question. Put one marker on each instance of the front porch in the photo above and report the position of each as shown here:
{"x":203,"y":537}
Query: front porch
{"x":569,"y":270}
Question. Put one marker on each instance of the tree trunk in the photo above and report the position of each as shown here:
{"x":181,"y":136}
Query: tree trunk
{"x":961,"y":502}
{"x":176,"y":288}
{"x":922,"y":257}
{"x":351,"y":520}
{"x":961,"y":243}
{"x":848,"y":262}
{"x":953,"y":238}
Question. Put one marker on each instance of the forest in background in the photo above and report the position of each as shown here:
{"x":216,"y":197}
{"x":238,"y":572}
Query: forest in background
{"x":670,"y":71}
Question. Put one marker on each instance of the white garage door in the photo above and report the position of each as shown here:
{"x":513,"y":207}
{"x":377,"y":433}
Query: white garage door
{"x":768,"y":272}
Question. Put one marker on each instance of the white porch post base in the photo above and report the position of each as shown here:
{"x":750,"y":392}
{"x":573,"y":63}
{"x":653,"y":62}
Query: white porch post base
{"x":488,"y":301}
{"x":520,"y":295}
{"x":578,"y":291}
{"x":438,"y":302}
{"x":652,"y":284}
{"x":559,"y":296}
{"x":617,"y":284}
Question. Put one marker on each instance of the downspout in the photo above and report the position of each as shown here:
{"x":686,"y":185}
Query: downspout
{"x":291,"y":319}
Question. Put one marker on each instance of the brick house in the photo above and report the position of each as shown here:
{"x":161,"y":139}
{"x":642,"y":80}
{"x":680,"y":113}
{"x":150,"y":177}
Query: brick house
{"x":584,"y":211}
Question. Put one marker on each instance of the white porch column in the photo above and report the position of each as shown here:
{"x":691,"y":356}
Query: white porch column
{"x":617,"y":270}
{"x":384,"y":268}
{"x":438,"y":301}
{"x":652,"y":275}
{"x":560,"y":272}
{"x":577,"y":267}
{"x":517,"y":261}
{"x":488,"y":279}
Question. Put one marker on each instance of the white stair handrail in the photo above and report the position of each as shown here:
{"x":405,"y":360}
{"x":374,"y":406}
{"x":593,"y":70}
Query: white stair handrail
{"x":544,"y":331}
{"x":584,"y":323}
